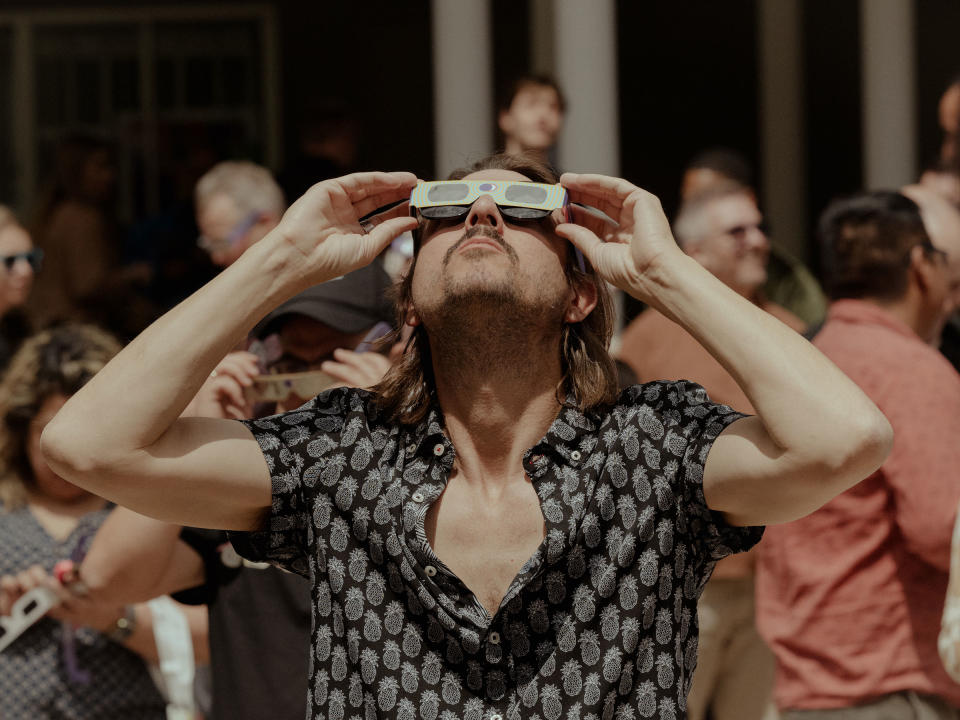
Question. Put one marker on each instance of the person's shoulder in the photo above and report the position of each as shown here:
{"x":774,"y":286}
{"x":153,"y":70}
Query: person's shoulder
{"x":73,"y":216}
{"x":333,"y":411}
{"x":785,"y":316}
{"x":672,"y":401}
{"x":646,"y":323}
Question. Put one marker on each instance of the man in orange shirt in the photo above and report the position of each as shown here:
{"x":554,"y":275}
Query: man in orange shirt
{"x":722,"y":228}
{"x":850,"y":597}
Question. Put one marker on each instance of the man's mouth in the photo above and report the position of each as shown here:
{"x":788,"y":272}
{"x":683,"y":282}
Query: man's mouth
{"x":480,"y":236}
{"x":481,"y":242}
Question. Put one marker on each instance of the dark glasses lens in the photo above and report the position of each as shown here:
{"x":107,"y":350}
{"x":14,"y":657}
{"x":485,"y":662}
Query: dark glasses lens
{"x":34,"y":257}
{"x":452,"y":212}
{"x":524,"y":213}
{"x":444,"y":212}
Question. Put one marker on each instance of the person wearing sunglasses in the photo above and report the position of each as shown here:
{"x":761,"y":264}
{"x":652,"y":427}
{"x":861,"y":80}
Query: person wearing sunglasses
{"x":237,"y":203}
{"x":20,"y":261}
{"x":494,"y":530}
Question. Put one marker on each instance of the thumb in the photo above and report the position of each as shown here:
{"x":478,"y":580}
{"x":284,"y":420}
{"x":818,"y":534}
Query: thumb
{"x":581,"y":237}
{"x":388,"y":231}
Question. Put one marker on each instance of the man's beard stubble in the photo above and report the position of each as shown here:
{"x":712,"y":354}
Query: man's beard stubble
{"x":486,"y":321}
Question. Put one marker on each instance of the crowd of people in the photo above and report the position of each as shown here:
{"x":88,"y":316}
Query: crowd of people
{"x":384,"y":465}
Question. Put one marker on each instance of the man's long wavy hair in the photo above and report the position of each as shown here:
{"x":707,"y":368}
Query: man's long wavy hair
{"x":589,"y":374}
{"x":54,"y":362}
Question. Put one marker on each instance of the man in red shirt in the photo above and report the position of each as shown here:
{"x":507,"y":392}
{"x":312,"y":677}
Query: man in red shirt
{"x":850,"y":597}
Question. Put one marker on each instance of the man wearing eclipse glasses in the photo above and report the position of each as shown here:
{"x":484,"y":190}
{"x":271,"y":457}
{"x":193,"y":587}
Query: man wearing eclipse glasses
{"x":492,"y":531}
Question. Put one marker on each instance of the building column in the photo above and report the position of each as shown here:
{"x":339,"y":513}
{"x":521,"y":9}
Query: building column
{"x":585,"y":57}
{"x":782,"y":126}
{"x":462,"y":82}
{"x":888,"y":60}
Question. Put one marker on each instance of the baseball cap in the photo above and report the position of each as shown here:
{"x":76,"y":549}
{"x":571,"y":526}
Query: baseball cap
{"x":349,"y":304}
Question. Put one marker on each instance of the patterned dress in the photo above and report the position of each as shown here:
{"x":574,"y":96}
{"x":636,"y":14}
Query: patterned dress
{"x":600,"y":623}
{"x":33,"y":680}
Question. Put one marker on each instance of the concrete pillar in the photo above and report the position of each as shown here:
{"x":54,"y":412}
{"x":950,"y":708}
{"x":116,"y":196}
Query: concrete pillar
{"x":781,"y":121}
{"x":585,"y":56}
{"x":462,"y":82}
{"x":541,"y":37}
{"x":888,"y":61}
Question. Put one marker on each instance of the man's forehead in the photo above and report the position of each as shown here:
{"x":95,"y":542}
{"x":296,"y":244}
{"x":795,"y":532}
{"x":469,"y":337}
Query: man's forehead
{"x":736,"y":208}
{"x":219,"y":207}
{"x":497,"y":175}
{"x":536,"y":92}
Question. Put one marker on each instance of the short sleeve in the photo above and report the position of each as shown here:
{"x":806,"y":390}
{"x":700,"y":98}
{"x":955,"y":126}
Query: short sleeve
{"x":700,"y":422}
{"x":284,"y":538}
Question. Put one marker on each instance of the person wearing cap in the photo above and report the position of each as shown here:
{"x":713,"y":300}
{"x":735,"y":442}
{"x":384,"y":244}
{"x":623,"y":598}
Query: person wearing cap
{"x":255,"y":609}
{"x":495,"y":531}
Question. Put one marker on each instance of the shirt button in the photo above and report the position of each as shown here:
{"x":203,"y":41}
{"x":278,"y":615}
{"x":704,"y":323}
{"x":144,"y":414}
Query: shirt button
{"x":411,"y":449}
{"x":494,"y":638}
{"x":430,"y":570}
{"x":495,"y":716}
{"x":438,"y":449}
{"x":417,"y":497}
{"x":575,"y":455}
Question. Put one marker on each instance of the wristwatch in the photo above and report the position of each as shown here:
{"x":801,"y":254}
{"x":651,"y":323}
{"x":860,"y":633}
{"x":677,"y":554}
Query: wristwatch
{"x":125,"y":625}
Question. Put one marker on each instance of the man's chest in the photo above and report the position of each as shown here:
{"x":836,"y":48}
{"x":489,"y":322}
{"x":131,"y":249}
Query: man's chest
{"x":484,"y":540}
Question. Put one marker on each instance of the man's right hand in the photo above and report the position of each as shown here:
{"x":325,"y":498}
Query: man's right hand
{"x":323,"y":225}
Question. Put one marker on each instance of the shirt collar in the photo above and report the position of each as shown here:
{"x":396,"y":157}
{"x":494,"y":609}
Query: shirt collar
{"x":570,"y":436}
{"x":863,"y":312}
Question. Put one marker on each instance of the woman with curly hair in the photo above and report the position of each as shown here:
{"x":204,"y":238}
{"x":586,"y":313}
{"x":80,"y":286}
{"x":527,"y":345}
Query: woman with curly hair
{"x":85,"y":659}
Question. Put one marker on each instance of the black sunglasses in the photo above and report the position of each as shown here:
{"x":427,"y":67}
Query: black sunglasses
{"x":34,"y":257}
{"x":455,"y":212}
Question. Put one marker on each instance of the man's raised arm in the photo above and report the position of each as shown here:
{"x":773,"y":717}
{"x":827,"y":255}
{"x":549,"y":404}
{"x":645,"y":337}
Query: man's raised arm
{"x":815,"y":434}
{"x":121,"y":436}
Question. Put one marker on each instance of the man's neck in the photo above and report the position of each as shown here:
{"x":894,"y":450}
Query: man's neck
{"x":499,"y":397}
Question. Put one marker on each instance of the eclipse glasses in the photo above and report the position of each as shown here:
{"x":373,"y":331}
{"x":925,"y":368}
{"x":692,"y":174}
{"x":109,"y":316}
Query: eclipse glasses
{"x":446,"y":199}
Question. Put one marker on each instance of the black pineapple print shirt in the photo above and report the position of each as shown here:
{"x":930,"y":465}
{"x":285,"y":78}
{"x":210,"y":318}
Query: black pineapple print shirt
{"x":600,"y":623}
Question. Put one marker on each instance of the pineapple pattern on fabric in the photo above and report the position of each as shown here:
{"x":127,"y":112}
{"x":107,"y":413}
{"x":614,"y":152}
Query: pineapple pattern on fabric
{"x":599,"y":624}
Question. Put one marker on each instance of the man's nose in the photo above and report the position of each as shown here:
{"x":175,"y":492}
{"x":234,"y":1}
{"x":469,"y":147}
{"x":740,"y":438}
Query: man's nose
{"x":22,"y":268}
{"x":756,"y":238}
{"x":484,"y":211}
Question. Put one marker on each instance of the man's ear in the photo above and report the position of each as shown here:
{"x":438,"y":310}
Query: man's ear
{"x":410,"y":317}
{"x":582,"y":301}
{"x":922,"y":268}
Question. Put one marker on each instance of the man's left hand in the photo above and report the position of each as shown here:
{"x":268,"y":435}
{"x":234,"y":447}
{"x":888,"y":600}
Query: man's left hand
{"x":630,"y":253}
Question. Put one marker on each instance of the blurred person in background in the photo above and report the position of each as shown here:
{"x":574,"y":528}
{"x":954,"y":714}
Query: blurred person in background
{"x":237,"y":203}
{"x":86,"y":658}
{"x":20,"y":262}
{"x":941,"y":219}
{"x":721,"y":228}
{"x":850,"y":597}
{"x":944,"y":176}
{"x":75,"y":228}
{"x":531,"y":116}
{"x":329,"y":142}
{"x":256,"y":610}
{"x":789,"y":282}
